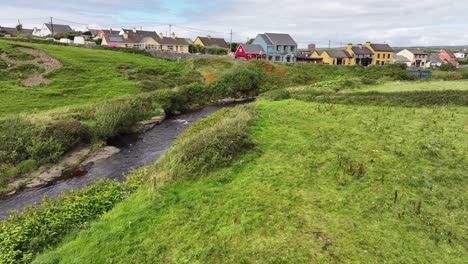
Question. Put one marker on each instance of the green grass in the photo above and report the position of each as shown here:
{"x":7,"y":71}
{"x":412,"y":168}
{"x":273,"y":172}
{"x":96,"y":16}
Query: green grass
{"x":416,"y":86}
{"x":326,"y":183}
{"x":88,"y":76}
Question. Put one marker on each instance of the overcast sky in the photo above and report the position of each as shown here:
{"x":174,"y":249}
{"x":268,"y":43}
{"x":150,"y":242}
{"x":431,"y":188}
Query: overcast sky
{"x":399,"y":23}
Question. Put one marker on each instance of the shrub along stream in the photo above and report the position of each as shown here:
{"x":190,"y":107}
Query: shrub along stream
{"x":208,"y":145}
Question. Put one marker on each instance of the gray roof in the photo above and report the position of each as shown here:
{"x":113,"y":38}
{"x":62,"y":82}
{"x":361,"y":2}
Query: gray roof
{"x":59,"y":28}
{"x":434,"y":57}
{"x":362,"y":51}
{"x":172,"y":41}
{"x":382,"y":47}
{"x":418,"y":52}
{"x":400,"y":58}
{"x":13,"y":30}
{"x":214,"y":42}
{"x":253,"y":48}
{"x":278,"y":39}
{"x":339,"y":54}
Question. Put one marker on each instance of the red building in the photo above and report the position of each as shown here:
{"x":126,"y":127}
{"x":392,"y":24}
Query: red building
{"x":448,"y":57}
{"x":250,"y":52}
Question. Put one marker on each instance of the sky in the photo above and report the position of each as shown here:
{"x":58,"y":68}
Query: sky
{"x":399,"y":23}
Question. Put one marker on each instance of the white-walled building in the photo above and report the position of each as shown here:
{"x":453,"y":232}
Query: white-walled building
{"x":49,"y":29}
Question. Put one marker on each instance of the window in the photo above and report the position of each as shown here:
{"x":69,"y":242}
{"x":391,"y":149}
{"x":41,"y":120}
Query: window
{"x":377,"y":62}
{"x":278,"y":48}
{"x":388,"y":56}
{"x":170,"y":47}
{"x":292,"y":48}
{"x":270,"y":58}
{"x":278,"y":58}
{"x":378,"y":56}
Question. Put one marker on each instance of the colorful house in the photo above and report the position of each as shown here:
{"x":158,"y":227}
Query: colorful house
{"x":250,"y":52}
{"x":383,"y":53}
{"x":211,"y":42}
{"x":448,"y":57}
{"x":146,"y":41}
{"x":361,"y":55}
{"x":278,"y":47}
{"x":416,"y":57}
{"x":333,"y":57}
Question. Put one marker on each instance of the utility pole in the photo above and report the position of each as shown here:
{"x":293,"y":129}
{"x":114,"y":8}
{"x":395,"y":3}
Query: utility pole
{"x":170,"y":30}
{"x":230,"y":45}
{"x":51,"y":26}
{"x":329,"y":44}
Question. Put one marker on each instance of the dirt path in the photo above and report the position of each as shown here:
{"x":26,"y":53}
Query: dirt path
{"x":43,"y":60}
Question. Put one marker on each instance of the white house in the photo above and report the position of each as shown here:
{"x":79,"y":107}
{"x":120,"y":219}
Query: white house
{"x":417,"y":57}
{"x":50,"y":29}
{"x":462,"y":54}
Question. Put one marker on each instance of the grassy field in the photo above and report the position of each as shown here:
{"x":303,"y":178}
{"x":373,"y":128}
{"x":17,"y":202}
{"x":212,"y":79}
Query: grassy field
{"x":416,"y":86}
{"x":88,"y":76}
{"x":325,"y":183}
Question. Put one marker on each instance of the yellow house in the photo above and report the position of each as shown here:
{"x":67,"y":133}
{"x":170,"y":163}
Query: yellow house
{"x":147,"y":42}
{"x":211,"y":42}
{"x":383,"y":53}
{"x":361,"y":55}
{"x":332,"y":57}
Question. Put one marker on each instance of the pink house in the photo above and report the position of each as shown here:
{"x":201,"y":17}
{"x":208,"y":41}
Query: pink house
{"x":250,"y":52}
{"x":448,"y":57}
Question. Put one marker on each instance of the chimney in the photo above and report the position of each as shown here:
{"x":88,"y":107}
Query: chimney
{"x":311,"y":46}
{"x":161,"y":35}
{"x":359,"y":46}
{"x":368,"y":43}
{"x":110,"y":31}
{"x":125,"y":35}
{"x":209,"y":37}
{"x":350,"y":45}
{"x":173,"y":35}
{"x":134,"y":30}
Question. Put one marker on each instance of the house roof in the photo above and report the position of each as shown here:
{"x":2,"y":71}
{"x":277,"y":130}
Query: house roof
{"x":59,"y":28}
{"x":361,"y":51}
{"x":113,"y":38}
{"x":418,"y":52}
{"x":253,"y":48}
{"x":400,"y":58}
{"x":214,"y":42}
{"x":339,"y":54}
{"x":381,"y":47}
{"x":13,"y":30}
{"x":171,"y":41}
{"x":278,"y":39}
{"x":450,"y":53}
{"x":434,"y":57}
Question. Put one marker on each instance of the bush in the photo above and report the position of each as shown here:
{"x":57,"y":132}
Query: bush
{"x":16,"y":135}
{"x":209,"y":144}
{"x":25,"y":234}
{"x":45,"y":151}
{"x":3,"y":64}
{"x":67,"y":132}
{"x":447,"y":67}
{"x":114,"y":117}
{"x":242,"y":79}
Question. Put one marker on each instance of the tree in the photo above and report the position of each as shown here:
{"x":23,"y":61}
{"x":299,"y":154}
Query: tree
{"x":19,"y":28}
{"x":250,"y":41}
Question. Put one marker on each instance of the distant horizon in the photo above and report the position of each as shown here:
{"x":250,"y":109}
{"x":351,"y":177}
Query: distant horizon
{"x":427,"y":23}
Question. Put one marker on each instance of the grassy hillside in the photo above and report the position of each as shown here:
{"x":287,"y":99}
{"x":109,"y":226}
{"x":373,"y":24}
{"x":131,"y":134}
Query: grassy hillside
{"x":87,"y":76}
{"x":325,"y":183}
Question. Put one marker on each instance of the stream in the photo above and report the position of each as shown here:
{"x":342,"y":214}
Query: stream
{"x":136,"y":151}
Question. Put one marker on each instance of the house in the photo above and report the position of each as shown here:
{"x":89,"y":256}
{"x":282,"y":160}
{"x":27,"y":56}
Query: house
{"x":12,"y":30}
{"x":402,"y":59}
{"x":333,"y":57}
{"x":51,"y":29}
{"x":434,"y":61}
{"x":383,"y":53}
{"x":448,"y":57}
{"x":211,"y":42}
{"x":250,"y":52}
{"x":146,"y":41}
{"x":278,"y":47}
{"x":172,"y":44}
{"x":361,"y":55}
{"x":462,"y":54}
{"x":417,"y":57}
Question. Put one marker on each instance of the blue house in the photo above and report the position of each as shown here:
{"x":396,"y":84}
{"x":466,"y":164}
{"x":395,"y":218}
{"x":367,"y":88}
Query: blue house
{"x":278,"y":47}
